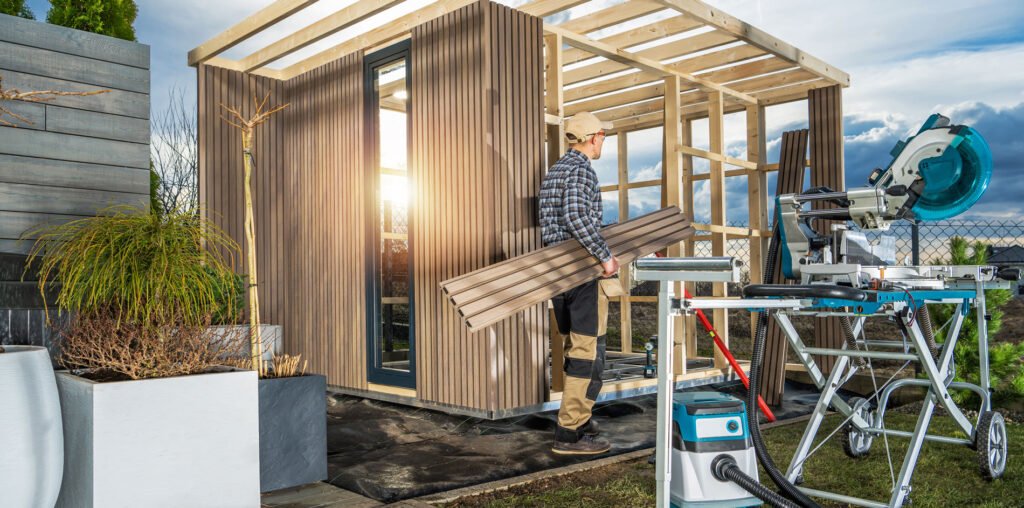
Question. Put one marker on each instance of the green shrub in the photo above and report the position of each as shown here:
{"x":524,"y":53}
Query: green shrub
{"x":16,"y":8}
{"x":138,"y":267}
{"x":106,"y":17}
{"x":229,"y":293}
{"x":1006,"y":360}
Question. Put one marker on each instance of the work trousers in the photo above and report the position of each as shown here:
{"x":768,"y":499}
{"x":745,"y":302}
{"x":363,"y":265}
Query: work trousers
{"x":580,"y":320}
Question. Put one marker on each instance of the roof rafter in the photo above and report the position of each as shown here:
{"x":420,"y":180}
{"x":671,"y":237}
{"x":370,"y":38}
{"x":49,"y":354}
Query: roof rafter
{"x":647,"y":33}
{"x":246,"y":28}
{"x":314,"y":32}
{"x":757,"y":37}
{"x":642,"y":63}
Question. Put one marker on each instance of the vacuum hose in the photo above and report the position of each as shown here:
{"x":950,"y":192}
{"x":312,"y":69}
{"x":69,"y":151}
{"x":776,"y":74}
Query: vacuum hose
{"x":724,"y":468}
{"x":787,"y":488}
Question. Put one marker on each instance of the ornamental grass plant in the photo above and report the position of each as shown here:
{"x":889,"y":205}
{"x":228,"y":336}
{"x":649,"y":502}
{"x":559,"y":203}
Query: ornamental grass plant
{"x":142,"y":288}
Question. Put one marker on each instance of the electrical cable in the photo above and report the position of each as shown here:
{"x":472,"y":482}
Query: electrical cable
{"x":787,"y":488}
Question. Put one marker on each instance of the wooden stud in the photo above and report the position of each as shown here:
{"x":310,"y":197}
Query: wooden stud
{"x":553,"y":95}
{"x":690,"y":322}
{"x":672,"y":169}
{"x":716,"y":120}
{"x":757,"y":199}
{"x":625,"y":273}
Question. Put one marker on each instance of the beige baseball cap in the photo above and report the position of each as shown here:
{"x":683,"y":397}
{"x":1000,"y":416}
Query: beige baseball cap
{"x":584,"y":124}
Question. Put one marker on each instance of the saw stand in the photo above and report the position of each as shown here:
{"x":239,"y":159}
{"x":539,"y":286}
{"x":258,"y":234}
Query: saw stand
{"x":909,"y":290}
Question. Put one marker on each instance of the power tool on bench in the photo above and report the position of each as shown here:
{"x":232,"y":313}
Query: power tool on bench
{"x":936,"y":174}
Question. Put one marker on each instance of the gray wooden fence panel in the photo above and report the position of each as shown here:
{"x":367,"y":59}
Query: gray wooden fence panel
{"x":73,"y":42}
{"x":97,"y":125}
{"x":18,"y":197}
{"x":35,"y":114}
{"x":51,"y":145}
{"x":16,"y":224}
{"x":75,"y":155}
{"x":14,"y":246}
{"x":115,"y":102}
{"x":102,"y":74}
{"x":80,"y":175}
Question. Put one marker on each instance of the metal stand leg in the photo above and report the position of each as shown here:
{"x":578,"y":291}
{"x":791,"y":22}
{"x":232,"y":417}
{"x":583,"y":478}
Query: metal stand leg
{"x":666,"y":385}
{"x":796,"y":466}
{"x":902,"y":490}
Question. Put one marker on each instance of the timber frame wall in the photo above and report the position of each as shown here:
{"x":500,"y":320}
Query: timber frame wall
{"x":480,"y":123}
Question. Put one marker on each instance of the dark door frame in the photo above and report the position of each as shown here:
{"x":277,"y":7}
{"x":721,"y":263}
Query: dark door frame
{"x":375,"y":372}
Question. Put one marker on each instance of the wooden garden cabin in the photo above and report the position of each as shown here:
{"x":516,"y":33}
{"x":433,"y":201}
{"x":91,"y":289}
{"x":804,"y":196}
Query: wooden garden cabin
{"x":412,"y":152}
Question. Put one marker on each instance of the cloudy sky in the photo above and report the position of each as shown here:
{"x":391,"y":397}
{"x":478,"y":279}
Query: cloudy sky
{"x":906,"y":59}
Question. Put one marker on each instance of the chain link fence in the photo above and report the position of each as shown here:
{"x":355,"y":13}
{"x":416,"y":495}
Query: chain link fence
{"x":932,"y":239}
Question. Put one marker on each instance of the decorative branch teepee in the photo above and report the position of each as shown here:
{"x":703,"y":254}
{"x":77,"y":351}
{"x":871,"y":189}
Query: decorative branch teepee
{"x":248,"y":128}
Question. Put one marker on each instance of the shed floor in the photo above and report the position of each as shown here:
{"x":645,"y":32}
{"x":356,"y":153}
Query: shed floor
{"x":390,"y":452}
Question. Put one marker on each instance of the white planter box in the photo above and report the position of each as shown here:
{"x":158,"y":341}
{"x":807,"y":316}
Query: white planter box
{"x":169,"y":442}
{"x":273,"y":343}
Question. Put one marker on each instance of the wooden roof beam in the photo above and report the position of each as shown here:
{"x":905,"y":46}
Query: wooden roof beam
{"x":545,"y":8}
{"x":317,"y":31}
{"x":714,"y":59}
{"x":700,"y":42}
{"x":751,"y":86}
{"x":380,"y":35}
{"x":246,"y":28}
{"x":612,"y":16}
{"x":757,"y":37}
{"x":724,"y":76}
{"x":698,"y":110}
{"x":643,"y":64}
{"x":640,"y":35}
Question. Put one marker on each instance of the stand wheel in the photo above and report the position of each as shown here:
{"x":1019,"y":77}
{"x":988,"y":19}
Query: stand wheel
{"x":990,"y":442}
{"x":856,"y":442}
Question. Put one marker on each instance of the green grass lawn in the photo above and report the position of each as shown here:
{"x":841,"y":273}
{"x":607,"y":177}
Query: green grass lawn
{"x":946,"y":475}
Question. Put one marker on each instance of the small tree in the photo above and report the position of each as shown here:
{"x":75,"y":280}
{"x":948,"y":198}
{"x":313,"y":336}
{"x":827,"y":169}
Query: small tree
{"x":248,"y":128}
{"x":16,"y":8}
{"x":106,"y":17}
{"x":1006,"y":360}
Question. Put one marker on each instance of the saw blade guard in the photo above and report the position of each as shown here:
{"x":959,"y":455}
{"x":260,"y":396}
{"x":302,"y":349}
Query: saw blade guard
{"x":957,"y":178}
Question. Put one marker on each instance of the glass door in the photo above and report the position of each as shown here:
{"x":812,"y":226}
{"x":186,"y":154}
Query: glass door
{"x":392,"y":359}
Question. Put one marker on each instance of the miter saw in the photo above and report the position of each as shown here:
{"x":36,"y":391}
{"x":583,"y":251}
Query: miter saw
{"x":936,"y":174}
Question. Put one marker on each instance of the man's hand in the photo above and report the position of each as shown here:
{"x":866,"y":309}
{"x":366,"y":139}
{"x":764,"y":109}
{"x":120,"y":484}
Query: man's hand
{"x":610,"y":267}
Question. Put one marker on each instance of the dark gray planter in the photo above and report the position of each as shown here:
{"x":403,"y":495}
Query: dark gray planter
{"x":293,"y":431}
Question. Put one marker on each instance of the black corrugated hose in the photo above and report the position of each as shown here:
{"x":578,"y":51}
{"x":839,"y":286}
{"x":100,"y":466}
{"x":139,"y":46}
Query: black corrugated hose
{"x":724,"y":468}
{"x":787,"y":489}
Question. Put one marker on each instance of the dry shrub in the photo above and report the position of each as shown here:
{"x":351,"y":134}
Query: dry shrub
{"x":287,"y":366}
{"x":109,"y":350}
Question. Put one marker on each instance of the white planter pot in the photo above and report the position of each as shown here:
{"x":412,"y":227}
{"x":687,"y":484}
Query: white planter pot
{"x":31,"y":440}
{"x":271,"y":335}
{"x":168,"y":442}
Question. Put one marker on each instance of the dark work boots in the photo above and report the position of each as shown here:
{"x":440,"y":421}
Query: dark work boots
{"x":590,"y":428}
{"x":587,"y":445}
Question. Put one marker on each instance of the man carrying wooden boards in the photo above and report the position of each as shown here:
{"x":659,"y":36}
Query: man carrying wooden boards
{"x":570,"y":207}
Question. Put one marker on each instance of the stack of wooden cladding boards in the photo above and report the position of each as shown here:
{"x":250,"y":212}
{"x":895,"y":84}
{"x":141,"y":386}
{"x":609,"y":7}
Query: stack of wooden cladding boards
{"x":792,"y":162}
{"x":486,"y":296}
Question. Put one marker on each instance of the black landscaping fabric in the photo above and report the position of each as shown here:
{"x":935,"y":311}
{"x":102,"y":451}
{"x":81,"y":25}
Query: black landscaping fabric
{"x":391,"y":452}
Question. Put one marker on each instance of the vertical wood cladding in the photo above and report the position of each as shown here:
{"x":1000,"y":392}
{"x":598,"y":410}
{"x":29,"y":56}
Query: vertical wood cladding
{"x":476,"y":166}
{"x":475,"y":169}
{"x":308,"y":205}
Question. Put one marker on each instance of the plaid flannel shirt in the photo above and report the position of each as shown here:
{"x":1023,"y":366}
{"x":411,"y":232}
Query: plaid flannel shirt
{"x":570,"y":205}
